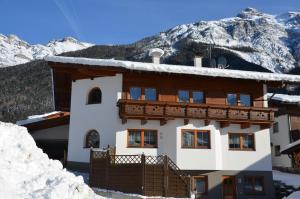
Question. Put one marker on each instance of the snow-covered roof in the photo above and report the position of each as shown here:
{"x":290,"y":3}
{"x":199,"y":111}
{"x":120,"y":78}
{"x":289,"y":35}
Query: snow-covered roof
{"x":290,"y":146}
{"x":178,"y":69}
{"x":293,"y":99}
{"x":36,"y":118}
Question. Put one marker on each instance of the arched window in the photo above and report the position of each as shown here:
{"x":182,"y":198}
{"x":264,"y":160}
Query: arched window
{"x":92,"y":139}
{"x":95,"y":96}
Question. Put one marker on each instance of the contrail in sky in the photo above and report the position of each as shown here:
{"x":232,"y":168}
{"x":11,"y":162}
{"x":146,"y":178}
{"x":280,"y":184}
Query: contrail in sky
{"x":68,"y":10}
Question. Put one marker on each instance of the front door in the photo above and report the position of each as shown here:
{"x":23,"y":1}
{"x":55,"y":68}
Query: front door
{"x":228,"y":186}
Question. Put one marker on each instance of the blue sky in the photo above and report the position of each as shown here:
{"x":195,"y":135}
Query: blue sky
{"x":117,"y":21}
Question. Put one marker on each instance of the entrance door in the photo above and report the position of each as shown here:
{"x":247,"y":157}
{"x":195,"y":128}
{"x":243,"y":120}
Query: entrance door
{"x":228,"y":186}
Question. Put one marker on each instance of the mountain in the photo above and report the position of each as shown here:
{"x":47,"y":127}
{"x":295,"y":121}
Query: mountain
{"x":14,"y":51}
{"x":272,"y":42}
{"x":250,"y":41}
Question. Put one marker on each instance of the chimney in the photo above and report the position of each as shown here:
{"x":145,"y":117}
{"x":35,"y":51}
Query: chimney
{"x":198,"y":61}
{"x":156,"y":53}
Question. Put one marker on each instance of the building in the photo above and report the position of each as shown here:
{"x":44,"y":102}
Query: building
{"x":50,"y":131}
{"x":212,"y":123}
{"x":285,"y":130}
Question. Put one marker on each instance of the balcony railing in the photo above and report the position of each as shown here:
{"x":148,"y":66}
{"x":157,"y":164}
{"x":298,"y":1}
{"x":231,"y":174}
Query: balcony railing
{"x":149,"y":110}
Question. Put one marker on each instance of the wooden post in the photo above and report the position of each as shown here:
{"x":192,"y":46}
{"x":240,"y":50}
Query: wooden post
{"x":166,"y":178}
{"x":91,"y":168}
{"x":107,"y":164}
{"x":143,"y":163}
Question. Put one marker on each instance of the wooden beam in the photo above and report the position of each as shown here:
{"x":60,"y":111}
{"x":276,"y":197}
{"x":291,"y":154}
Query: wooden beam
{"x":264,"y":126}
{"x":206,"y":122}
{"x":245,"y":125}
{"x":186,"y":121}
{"x":224,"y":124}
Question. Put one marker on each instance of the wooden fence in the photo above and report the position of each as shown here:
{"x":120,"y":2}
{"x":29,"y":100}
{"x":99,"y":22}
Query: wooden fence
{"x":140,"y":174}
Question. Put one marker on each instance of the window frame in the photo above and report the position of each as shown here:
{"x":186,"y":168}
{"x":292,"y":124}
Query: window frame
{"x":205,"y":177}
{"x":253,"y":178}
{"x":144,"y":93}
{"x":142,"y":133}
{"x":129,"y":93}
{"x":89,"y":95}
{"x":189,"y":93}
{"x":86,"y":139}
{"x":241,"y":142}
{"x":195,"y":145}
{"x":192,"y":96}
{"x":238,"y":99}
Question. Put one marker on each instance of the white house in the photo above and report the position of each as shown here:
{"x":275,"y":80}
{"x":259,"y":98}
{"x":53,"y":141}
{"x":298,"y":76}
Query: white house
{"x":286,"y":128}
{"x":214,"y":124}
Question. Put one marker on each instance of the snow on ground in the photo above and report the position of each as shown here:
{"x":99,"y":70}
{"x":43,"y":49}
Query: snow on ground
{"x":287,"y":178}
{"x":26,"y":172}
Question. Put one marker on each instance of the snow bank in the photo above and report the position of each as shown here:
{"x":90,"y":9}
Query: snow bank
{"x":141,"y":66}
{"x":287,"y":178}
{"x":285,"y":98}
{"x":295,"y":195}
{"x":26,"y":172}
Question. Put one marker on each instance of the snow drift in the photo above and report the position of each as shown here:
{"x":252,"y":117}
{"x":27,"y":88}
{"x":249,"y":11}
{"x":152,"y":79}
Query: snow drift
{"x":26,"y":172}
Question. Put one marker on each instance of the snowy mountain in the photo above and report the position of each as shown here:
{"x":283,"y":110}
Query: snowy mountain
{"x":14,"y":51}
{"x":267,"y":40}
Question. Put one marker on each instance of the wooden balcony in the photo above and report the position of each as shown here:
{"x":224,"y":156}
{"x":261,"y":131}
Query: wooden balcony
{"x":164,"y":111}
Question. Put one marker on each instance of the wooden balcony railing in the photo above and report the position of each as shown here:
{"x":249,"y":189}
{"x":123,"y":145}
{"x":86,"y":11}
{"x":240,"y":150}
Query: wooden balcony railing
{"x":157,"y":110}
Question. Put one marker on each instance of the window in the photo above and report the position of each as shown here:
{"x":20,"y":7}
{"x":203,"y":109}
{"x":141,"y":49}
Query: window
{"x":200,"y":185}
{"x":135,"y":93}
{"x":277,"y":150}
{"x":95,"y":96}
{"x":198,"y":97}
{"x":254,"y":185}
{"x":92,"y":139}
{"x":232,"y":99}
{"x":142,"y":138}
{"x":245,"y":100}
{"x":195,"y":139}
{"x":150,"y":94}
{"x":238,"y":141}
{"x":183,"y":96}
{"x":275,"y":127}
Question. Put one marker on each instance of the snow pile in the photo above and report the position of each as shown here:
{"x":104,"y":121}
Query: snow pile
{"x":15,"y":51}
{"x":202,"y":71}
{"x":36,"y":118}
{"x":287,"y":178}
{"x":26,"y":172}
{"x":285,"y":98}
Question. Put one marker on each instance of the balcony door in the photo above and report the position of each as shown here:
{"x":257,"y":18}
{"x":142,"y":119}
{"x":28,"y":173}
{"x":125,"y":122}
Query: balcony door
{"x":228,"y":186}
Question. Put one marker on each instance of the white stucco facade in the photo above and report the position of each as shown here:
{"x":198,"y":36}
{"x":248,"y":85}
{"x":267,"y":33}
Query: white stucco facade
{"x":281,"y":138}
{"x":105,"y":119}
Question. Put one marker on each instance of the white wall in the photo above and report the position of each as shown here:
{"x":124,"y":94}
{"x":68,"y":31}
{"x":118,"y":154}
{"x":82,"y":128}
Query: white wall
{"x":282,"y":138}
{"x":216,"y":158}
{"x":55,"y":133}
{"x":102,"y":117}
{"x":260,"y":159}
